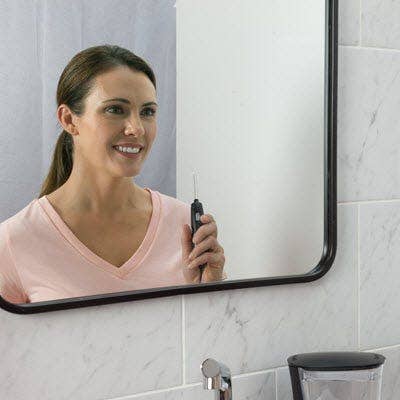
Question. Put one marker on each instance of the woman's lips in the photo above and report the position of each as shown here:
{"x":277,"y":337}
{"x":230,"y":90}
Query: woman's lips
{"x":128,"y":155}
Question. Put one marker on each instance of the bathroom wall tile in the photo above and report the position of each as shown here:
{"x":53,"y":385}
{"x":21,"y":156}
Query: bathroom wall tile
{"x":380,"y":23}
{"x":195,"y":392}
{"x":92,"y":353}
{"x":252,"y":387}
{"x":391,"y":373}
{"x":379,"y":274}
{"x":257,"y":329}
{"x":255,"y":387}
{"x":349,"y":22}
{"x":368,"y":124}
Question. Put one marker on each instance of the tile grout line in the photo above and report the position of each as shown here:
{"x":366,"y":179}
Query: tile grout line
{"x":358,"y":282}
{"x":260,"y":372}
{"x":360,"y":31}
{"x":183,"y":339}
{"x":368,"y":201}
{"x":359,"y":47}
{"x":156,"y":391}
{"x":394,"y":346}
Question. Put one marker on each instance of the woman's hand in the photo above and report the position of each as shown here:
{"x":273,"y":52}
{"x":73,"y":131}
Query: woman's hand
{"x":207,"y":251}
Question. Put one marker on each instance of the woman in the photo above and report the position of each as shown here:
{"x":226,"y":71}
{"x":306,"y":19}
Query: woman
{"x":93,"y":230}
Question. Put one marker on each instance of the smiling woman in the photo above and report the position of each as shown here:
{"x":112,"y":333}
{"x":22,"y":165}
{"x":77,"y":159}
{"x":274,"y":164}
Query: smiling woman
{"x":93,"y":230}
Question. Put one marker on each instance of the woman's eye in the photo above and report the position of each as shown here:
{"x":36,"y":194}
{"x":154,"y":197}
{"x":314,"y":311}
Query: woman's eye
{"x":146,"y":110}
{"x":114,"y":107}
{"x":153,"y":111}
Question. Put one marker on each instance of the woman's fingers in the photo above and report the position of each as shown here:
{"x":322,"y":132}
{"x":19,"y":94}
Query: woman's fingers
{"x":209,"y":227}
{"x":186,"y":241}
{"x":191,"y":276}
{"x":207,"y":251}
{"x":214,"y":260}
{"x":209,"y":243}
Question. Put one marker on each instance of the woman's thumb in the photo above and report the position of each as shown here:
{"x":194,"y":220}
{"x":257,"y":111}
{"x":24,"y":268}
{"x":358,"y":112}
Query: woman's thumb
{"x":187,"y":239}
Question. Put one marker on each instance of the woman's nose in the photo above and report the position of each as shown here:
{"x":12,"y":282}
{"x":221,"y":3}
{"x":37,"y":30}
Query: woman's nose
{"x":134,"y":126}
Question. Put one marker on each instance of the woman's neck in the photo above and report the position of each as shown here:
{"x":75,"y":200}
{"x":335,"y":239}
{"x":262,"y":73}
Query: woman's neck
{"x":108,"y":200}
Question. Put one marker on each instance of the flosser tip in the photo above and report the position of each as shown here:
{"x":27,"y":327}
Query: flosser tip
{"x":195,"y":185}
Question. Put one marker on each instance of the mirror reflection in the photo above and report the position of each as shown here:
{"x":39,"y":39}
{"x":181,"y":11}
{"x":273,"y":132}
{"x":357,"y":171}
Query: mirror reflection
{"x":98,"y":194}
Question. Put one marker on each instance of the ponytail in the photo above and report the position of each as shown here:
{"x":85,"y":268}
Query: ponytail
{"x":61,"y":165}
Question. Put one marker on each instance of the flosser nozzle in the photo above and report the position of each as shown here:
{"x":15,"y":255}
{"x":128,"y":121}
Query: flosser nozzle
{"x":195,"y":185}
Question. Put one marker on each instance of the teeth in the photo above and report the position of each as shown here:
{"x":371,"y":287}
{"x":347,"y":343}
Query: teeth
{"x":128,"y":149}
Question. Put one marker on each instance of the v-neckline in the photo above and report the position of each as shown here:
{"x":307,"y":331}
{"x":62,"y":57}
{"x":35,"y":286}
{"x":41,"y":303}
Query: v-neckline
{"x":133,"y":262}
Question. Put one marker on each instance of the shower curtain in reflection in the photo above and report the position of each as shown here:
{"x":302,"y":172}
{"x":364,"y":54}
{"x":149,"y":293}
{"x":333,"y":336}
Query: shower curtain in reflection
{"x":38,"y":38}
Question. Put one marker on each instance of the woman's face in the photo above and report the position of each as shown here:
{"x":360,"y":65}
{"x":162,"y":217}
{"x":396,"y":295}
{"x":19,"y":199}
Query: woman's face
{"x":106,"y":122}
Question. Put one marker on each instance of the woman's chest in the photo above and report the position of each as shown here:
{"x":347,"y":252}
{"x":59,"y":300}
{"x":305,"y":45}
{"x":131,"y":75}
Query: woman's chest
{"x":114,"y":242}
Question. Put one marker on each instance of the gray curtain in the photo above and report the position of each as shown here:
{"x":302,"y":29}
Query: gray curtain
{"x":39,"y":37}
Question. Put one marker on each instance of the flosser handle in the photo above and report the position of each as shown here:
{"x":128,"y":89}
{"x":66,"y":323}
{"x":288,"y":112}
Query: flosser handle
{"x":196,"y":213}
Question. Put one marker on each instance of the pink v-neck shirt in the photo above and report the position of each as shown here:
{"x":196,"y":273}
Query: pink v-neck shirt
{"x":41,"y":258}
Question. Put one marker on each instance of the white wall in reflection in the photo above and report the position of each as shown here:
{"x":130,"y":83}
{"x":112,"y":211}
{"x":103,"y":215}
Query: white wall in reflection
{"x":250,"y":107}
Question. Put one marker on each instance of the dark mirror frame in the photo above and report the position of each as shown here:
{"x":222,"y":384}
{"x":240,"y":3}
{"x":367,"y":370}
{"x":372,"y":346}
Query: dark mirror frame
{"x":330,"y":210}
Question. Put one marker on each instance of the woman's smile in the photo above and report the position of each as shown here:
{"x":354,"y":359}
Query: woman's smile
{"x":128,"y":154}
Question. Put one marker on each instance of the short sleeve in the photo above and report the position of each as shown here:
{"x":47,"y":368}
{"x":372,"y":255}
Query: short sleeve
{"x":11,"y":288}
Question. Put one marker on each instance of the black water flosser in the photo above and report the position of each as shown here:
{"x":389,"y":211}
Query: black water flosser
{"x":196,"y":213}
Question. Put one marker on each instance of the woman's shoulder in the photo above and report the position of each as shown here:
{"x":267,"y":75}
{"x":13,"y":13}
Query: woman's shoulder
{"x":11,"y":288}
{"x":173,"y":207}
{"x":172,"y":201}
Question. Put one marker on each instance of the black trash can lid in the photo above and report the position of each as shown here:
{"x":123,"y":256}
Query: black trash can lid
{"x":336,"y":361}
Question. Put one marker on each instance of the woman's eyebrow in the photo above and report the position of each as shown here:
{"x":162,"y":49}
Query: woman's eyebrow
{"x":128,"y":102}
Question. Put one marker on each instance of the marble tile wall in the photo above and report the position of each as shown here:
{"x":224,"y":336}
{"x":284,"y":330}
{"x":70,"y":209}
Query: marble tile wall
{"x":152,"y":349}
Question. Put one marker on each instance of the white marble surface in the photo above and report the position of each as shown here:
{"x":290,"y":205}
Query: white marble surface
{"x":349,"y":22}
{"x":252,"y":330}
{"x":380,"y":23}
{"x":92,"y":353}
{"x":379,"y":274}
{"x":252,"y":387}
{"x":117,"y":350}
{"x":368,"y":124}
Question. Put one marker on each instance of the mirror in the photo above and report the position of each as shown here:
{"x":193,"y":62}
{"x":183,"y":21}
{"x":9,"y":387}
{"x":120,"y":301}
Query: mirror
{"x":242,"y":97}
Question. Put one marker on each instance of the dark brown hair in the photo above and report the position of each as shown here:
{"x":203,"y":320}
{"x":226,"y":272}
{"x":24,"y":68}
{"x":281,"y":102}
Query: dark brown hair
{"x":74,"y":85}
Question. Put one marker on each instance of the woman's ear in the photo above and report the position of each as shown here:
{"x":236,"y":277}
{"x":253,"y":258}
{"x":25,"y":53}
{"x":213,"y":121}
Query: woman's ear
{"x":67,"y":119}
